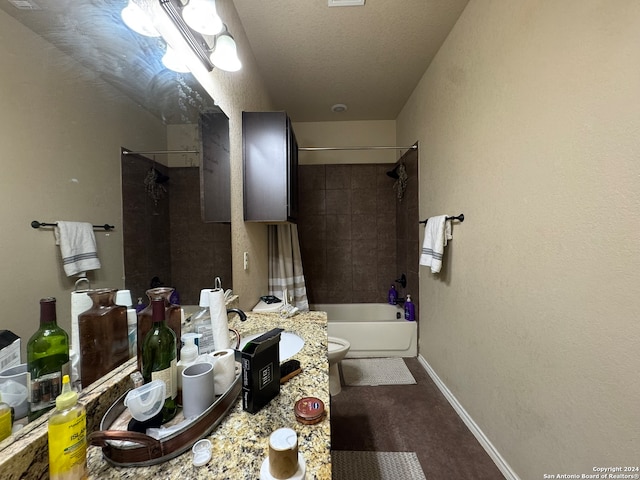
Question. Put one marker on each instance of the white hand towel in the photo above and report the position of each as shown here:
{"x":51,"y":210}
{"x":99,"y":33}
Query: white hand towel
{"x":436,"y":234}
{"x":78,"y":247}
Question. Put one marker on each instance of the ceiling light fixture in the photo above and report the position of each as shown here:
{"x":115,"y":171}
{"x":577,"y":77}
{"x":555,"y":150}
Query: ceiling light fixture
{"x":197,"y":23}
{"x":172,"y":61}
{"x":138,"y":21}
{"x":202,"y":16}
{"x":225,"y":53}
{"x":339,"y":108}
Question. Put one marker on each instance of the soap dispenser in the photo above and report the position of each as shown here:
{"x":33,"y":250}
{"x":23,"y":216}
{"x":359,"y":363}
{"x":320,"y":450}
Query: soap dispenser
{"x":66,"y":435}
{"x":188,"y":355}
{"x":409,"y":309}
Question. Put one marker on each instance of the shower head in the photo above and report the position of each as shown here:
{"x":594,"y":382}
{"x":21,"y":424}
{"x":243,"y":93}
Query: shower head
{"x":394,"y":173}
{"x":161,"y":177}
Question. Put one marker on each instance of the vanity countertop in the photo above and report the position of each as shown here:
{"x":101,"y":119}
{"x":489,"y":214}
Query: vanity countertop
{"x":240,"y":443}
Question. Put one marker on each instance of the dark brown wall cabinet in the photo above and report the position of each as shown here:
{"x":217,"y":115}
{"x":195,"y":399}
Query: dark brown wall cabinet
{"x":215,"y":179}
{"x":270,"y":154}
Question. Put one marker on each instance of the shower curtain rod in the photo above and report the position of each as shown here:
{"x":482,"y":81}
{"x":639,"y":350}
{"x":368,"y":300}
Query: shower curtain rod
{"x":128,"y":152}
{"x":317,"y":149}
{"x":302,"y":149}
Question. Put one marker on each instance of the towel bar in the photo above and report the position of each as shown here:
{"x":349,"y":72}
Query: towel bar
{"x":37,"y":224}
{"x":458,"y":217}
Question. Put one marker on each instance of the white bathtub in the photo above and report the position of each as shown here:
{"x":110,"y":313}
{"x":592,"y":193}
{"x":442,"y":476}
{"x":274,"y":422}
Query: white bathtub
{"x":372,"y":329}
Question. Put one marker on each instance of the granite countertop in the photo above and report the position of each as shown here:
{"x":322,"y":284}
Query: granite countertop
{"x":240,"y":443}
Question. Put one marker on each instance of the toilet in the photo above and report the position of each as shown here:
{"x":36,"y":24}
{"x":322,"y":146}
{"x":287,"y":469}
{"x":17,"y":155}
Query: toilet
{"x":338,"y":349}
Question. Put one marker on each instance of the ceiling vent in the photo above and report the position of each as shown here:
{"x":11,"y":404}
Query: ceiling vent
{"x":346,"y":3}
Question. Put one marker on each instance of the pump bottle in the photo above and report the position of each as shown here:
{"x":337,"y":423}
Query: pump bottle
{"x":409,"y":309}
{"x":393,"y":295}
{"x":67,"y":438}
{"x":188,"y":355}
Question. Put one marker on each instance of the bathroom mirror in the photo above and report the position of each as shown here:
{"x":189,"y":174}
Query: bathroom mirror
{"x":93,"y":33}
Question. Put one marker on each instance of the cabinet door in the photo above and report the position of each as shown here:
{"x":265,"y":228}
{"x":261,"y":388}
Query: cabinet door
{"x":270,"y":172}
{"x":215,"y":176}
{"x":292,"y":174}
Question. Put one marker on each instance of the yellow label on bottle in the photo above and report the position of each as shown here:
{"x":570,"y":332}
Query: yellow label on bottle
{"x":68,"y":448}
{"x":5,"y":423}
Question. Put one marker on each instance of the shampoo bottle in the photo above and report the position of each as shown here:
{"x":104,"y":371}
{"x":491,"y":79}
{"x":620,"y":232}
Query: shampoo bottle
{"x":6,"y":420}
{"x":409,"y":309}
{"x":67,"y":432}
{"x":393,"y":295}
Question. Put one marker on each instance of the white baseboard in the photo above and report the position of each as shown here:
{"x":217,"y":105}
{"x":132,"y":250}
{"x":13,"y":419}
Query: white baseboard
{"x":468,"y":421}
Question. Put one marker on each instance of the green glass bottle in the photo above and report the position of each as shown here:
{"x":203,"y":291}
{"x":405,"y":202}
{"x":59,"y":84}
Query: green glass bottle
{"x":47,"y":361}
{"x":159,"y":358}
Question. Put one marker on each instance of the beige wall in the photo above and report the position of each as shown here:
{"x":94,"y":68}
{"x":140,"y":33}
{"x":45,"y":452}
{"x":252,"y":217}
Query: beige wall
{"x":61,"y":130}
{"x":347,"y":134}
{"x":528,"y":122}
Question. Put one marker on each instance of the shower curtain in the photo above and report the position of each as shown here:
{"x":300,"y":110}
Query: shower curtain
{"x":285,"y":265}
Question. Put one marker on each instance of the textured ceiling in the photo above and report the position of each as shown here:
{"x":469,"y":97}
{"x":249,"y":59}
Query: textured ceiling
{"x":370,"y":58}
{"x":311,"y":56}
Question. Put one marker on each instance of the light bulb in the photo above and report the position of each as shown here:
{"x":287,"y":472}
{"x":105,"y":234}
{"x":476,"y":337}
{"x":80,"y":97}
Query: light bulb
{"x":201,"y":15}
{"x":138,"y":21}
{"x":225,"y":54}
{"x":172,"y":61}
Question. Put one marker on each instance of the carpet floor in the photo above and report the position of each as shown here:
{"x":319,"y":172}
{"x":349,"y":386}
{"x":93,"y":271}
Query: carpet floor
{"x":410,"y":418}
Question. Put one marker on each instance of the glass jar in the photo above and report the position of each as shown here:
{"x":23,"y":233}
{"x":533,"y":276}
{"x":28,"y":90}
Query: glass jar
{"x":104,"y":336}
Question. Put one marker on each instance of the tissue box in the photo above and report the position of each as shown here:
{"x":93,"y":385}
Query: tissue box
{"x":9,"y":349}
{"x":261,"y":370}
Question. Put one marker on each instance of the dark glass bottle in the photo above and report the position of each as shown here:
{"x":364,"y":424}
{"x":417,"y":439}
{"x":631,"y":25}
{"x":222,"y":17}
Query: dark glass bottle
{"x":47,"y":361}
{"x":173,"y":318}
{"x":104,"y":336}
{"x":159,"y":358}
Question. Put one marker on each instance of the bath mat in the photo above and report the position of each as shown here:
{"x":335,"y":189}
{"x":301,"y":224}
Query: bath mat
{"x":347,"y":465}
{"x":375,"y":371}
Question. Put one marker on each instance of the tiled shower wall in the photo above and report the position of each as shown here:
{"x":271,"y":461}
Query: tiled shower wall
{"x":356,"y":237}
{"x":347,"y":228}
{"x":169,"y":240}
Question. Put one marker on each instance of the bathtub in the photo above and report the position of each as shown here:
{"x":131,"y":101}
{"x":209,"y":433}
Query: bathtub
{"x":372,"y":329}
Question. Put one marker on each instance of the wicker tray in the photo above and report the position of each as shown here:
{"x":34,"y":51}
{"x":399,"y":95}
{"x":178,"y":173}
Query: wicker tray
{"x":123,"y":448}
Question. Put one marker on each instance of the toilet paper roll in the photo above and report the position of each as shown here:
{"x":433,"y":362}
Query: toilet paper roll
{"x":224,"y":370}
{"x":219,"y":322}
